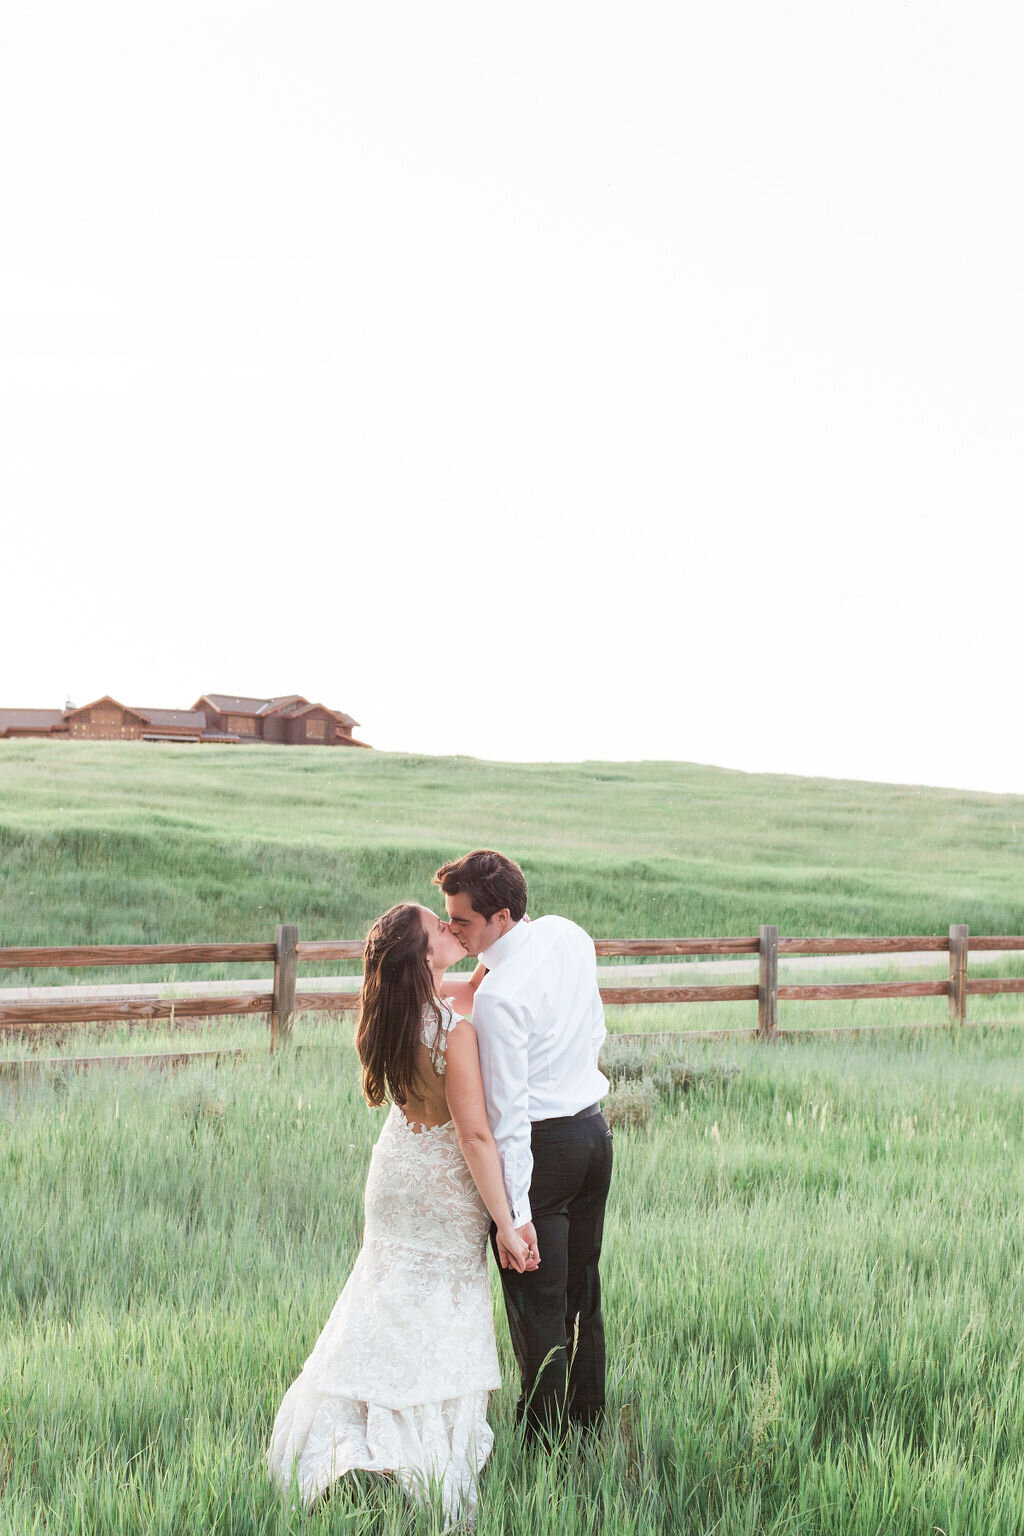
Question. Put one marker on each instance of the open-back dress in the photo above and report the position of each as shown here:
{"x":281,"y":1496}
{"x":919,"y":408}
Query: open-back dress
{"x":398,"y":1380}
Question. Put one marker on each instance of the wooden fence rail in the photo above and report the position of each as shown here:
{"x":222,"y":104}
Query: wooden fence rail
{"x":281,"y":1000}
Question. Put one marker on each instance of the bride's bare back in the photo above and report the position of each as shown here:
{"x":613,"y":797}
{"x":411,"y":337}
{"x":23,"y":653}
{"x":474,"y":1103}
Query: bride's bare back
{"x":427,"y":1106}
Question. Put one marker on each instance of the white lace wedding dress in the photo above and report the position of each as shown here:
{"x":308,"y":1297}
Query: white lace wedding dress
{"x":399,"y":1378}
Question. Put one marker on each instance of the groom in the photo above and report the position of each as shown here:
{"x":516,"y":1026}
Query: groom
{"x":539,"y":1025}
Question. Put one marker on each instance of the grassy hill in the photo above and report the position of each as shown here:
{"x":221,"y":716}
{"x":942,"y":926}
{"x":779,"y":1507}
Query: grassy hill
{"x":132,"y":843}
{"x":811,"y":1266}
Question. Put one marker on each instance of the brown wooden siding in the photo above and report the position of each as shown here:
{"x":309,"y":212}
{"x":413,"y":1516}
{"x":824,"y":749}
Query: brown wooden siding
{"x":107,"y":722}
{"x":299,"y":733}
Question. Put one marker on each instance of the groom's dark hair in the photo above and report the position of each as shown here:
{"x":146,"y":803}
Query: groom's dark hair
{"x":489,"y":879}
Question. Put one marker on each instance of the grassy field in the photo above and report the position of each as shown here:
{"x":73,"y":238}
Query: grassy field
{"x":812,"y":1281}
{"x":129,"y":843}
{"x":814,"y":1256}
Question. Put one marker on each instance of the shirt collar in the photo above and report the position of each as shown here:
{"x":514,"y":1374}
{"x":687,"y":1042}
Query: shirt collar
{"x":510,"y":943}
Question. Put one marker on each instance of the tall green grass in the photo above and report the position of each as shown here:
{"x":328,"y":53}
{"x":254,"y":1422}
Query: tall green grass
{"x":812,"y":1268}
{"x":133,"y":843}
{"x":812,"y":1272}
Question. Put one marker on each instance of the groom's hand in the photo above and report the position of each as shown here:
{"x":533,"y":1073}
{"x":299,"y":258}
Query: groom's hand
{"x":528,"y":1233}
{"x":526,"y":1258}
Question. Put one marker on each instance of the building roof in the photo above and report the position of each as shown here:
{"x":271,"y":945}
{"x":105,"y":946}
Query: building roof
{"x":276,"y":706}
{"x":83,"y":709}
{"x":304,"y":709}
{"x":179,"y":717}
{"x":226,"y":703}
{"x":30,"y":719}
{"x":287,"y":705}
{"x":223,"y":703}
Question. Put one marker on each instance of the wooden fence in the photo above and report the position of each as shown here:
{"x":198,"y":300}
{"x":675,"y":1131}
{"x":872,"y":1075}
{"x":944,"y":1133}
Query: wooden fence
{"x":282,"y":999}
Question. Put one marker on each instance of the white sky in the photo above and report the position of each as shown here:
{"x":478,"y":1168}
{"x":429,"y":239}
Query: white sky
{"x":554,"y":381}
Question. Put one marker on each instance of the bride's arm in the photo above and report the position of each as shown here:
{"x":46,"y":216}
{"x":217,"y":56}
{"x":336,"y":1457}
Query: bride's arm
{"x":462,"y":989}
{"x":465,"y":1093}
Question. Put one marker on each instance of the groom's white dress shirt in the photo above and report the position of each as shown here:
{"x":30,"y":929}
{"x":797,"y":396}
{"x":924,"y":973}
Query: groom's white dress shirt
{"x":539,"y":1024}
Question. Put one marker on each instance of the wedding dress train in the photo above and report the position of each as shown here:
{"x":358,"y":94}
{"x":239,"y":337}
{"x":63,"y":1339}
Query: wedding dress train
{"x":398,"y":1380}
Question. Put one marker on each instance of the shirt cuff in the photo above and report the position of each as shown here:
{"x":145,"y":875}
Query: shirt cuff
{"x":521,"y":1212}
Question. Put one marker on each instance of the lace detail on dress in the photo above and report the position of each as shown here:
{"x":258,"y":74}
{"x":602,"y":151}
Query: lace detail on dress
{"x":435,"y":1035}
{"x":399,"y":1377}
{"x":413,"y":1325}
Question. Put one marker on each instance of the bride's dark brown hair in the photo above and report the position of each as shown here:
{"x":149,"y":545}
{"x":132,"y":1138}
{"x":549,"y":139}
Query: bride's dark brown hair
{"x":397,"y":985}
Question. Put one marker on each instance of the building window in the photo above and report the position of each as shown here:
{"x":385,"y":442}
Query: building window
{"x":316,"y":730}
{"x":240,"y":725}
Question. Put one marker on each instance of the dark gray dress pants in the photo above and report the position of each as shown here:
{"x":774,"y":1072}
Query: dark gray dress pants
{"x":554,"y":1313}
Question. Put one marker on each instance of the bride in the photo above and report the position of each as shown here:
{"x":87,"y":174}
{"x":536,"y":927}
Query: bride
{"x":398,"y":1380}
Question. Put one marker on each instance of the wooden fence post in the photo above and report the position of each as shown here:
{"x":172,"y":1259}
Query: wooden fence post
{"x":958,"y":973}
{"x":768,"y":983}
{"x":286,"y":961}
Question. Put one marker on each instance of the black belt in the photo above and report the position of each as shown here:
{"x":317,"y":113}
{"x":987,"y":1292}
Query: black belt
{"x":581,"y":1114}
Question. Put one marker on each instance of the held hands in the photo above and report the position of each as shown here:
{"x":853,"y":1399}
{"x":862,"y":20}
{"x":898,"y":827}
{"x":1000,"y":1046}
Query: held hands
{"x":517,"y":1248}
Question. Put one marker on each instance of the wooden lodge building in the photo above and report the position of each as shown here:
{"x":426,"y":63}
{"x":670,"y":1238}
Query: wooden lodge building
{"x":290,"y":720}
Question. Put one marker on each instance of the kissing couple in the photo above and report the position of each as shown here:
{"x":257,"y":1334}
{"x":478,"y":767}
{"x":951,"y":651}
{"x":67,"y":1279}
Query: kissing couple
{"x":494,"y":1129}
